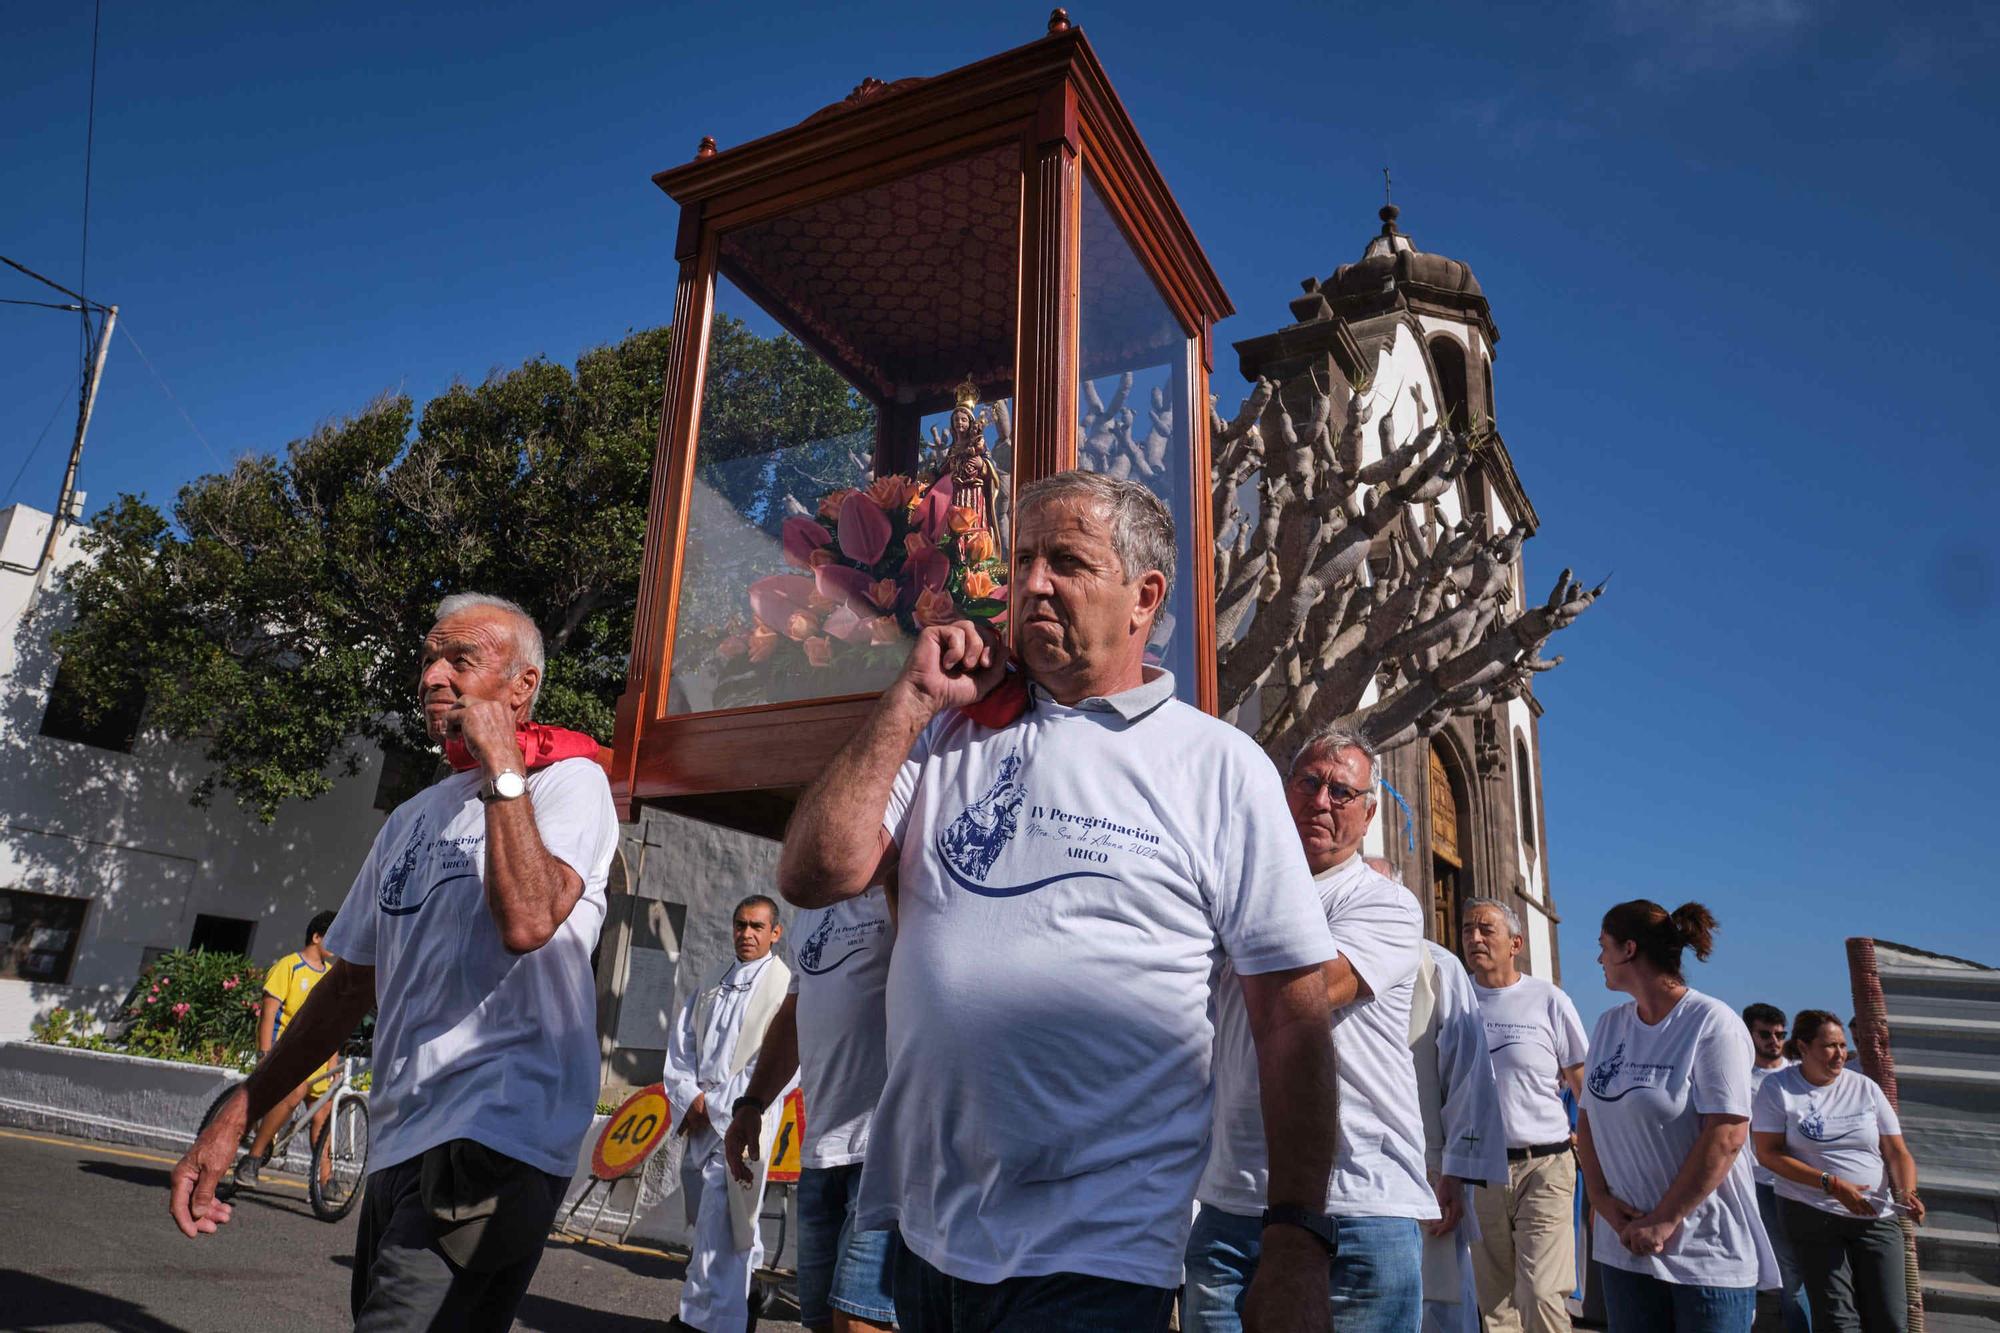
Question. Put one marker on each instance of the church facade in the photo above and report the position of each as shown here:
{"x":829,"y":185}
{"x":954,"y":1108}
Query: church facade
{"x":1463,"y":814}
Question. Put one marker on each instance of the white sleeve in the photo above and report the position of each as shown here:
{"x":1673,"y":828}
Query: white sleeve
{"x":1475,"y":1139}
{"x":577,"y":822}
{"x":1379,"y":935}
{"x":1885,"y":1114}
{"x":1721,"y":1064}
{"x":1767,"y":1109}
{"x":1572,"y":1046}
{"x":683,"y":1055}
{"x":352,"y":937}
{"x":903,"y":791}
{"x":1262,"y":902}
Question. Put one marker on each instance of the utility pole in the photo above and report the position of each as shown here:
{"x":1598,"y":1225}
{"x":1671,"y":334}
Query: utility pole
{"x":89,"y":401}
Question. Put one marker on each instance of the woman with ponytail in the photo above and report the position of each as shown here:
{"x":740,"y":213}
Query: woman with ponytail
{"x":1666,"y":1110}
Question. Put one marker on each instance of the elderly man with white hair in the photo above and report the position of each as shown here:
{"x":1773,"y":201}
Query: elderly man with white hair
{"x":469,"y":928}
{"x":1378,"y":1194}
{"x":1525,"y":1260}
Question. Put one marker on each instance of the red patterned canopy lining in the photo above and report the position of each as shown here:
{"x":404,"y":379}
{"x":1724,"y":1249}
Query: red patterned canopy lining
{"x":909,"y":285}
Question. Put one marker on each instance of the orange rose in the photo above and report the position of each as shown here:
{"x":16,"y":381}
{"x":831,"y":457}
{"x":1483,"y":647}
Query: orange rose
{"x":935,"y":607}
{"x":916,"y":543}
{"x":732,"y":648}
{"x":963,"y":518}
{"x":829,"y":508}
{"x":820,"y":603}
{"x":802,"y":626}
{"x":822,"y":556}
{"x":892,"y":493}
{"x":978,"y":547}
{"x":884,"y":629}
{"x":763,"y":642}
{"x":978,"y":585}
{"x":819,"y":650}
{"x":883,"y":593}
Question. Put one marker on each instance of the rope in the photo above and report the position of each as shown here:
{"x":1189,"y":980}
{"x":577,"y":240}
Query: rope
{"x":1871,"y":1035}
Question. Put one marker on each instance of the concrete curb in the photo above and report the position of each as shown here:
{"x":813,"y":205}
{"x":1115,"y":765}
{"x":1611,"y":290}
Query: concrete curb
{"x":106,"y":1096}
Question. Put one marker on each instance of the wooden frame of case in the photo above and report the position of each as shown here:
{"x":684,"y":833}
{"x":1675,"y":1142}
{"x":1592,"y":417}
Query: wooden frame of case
{"x":743,"y":767}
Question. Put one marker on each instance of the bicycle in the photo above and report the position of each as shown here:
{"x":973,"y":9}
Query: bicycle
{"x":339,"y":1149}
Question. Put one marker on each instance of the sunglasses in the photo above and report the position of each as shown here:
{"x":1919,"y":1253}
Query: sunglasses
{"x":1339,"y":793}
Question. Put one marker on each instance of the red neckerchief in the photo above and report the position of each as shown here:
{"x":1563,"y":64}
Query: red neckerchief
{"x":540,"y":746}
{"x":1004,"y":703}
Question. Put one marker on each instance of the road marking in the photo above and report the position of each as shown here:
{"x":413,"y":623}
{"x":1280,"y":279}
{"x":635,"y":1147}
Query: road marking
{"x":88,"y":1146}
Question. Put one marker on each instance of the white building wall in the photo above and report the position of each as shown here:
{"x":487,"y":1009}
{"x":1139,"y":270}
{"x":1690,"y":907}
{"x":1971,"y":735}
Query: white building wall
{"x":118,"y":829}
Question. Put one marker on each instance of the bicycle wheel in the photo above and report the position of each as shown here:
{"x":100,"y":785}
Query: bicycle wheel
{"x":216,"y":1105}
{"x":341,"y":1147}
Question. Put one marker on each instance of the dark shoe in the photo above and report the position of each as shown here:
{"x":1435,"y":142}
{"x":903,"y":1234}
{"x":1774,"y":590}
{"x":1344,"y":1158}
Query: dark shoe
{"x":248,"y":1169}
{"x":760,"y":1300}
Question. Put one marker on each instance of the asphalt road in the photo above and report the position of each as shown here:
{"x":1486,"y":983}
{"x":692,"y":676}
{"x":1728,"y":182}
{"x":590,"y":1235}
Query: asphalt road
{"x":85,"y":1244}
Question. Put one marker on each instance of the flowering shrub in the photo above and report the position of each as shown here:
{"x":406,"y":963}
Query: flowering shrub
{"x":197,"y":1004}
{"x":876,"y":566}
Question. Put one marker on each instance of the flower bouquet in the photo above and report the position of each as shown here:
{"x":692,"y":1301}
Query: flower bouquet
{"x":875,"y":566}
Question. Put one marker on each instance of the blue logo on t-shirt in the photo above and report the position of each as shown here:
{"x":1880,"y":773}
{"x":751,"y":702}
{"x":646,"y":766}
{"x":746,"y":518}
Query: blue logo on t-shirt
{"x":393,"y":883}
{"x":1813,"y":1125}
{"x":1604,"y":1071}
{"x":971,"y":843}
{"x":813,"y":952}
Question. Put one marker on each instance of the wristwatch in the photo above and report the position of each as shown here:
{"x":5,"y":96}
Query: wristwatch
{"x":1319,"y":1224}
{"x":505,"y":786}
{"x":737,"y":1107}
{"x":1825,"y":1183}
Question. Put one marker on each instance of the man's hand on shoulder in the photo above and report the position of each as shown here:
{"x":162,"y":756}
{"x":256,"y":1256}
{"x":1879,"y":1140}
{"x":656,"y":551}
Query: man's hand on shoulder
{"x":487,"y":728}
{"x":1289,"y":1292}
{"x":191,"y":1200}
{"x":953,"y":666}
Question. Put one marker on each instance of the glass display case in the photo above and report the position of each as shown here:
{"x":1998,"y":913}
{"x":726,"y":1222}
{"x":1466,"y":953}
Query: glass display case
{"x":889,"y":317}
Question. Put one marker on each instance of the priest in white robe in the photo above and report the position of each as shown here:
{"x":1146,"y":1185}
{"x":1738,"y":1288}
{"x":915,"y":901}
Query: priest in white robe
{"x":711,"y":1055}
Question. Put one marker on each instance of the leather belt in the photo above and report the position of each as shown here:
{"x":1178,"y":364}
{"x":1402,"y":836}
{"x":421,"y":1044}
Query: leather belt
{"x":1539,"y":1150}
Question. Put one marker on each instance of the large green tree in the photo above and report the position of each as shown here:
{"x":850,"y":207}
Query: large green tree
{"x":274,"y":617}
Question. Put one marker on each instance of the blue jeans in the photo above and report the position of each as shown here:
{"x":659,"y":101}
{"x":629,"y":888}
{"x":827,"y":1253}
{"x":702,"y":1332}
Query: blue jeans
{"x":1640,"y":1303}
{"x":928,"y":1301}
{"x":841,"y":1268}
{"x":1375,"y":1282}
{"x":1791,"y":1283}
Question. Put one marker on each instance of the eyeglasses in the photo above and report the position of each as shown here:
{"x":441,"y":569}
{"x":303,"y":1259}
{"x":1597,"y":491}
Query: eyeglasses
{"x":1338,"y":794}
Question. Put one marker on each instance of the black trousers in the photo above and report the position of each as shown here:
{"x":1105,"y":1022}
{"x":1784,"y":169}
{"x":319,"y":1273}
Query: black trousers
{"x":405,"y":1282}
{"x":1852,"y":1268}
{"x":928,"y":1301}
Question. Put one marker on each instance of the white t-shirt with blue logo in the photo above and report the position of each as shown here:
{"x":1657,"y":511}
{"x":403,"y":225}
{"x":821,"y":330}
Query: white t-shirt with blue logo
{"x":1378,"y":1168}
{"x":472,"y":1041}
{"x":841,"y":980}
{"x":1533,"y":1033}
{"x":1645,"y":1090}
{"x":1758,"y":1076}
{"x":1069,"y":885}
{"x":1837,"y":1128}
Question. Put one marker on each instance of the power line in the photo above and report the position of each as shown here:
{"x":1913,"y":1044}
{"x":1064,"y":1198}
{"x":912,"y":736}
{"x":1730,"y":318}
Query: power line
{"x":46,"y":305}
{"x":160,"y":380}
{"x":22,"y":471}
{"x":51,"y":282}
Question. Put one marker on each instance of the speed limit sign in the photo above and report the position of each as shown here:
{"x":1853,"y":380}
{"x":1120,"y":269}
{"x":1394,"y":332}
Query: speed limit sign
{"x":638,"y":1123}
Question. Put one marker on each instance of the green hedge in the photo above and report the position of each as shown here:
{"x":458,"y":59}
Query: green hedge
{"x":198,"y":1007}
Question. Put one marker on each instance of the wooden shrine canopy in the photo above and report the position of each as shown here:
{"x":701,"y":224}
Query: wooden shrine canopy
{"x":1000,"y":227}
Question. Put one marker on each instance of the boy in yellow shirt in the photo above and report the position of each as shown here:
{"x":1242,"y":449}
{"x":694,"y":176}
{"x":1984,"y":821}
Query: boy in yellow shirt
{"x":286,"y":986}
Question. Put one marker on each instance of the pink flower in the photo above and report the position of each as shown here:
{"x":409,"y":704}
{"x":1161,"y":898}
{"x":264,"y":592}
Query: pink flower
{"x":229,"y":983}
{"x":776,"y":599}
{"x":844,"y":624}
{"x":928,"y":568}
{"x":166,"y":981}
{"x":935,"y":607}
{"x":884,"y":630}
{"x":843,"y":585}
{"x":180,"y":1010}
{"x":802,"y":537}
{"x":883,"y":593}
{"x":931,"y":511}
{"x":802,"y":625}
{"x":152,"y":999}
{"x":819,"y":651}
{"x":763,"y":642}
{"x":864,"y":529}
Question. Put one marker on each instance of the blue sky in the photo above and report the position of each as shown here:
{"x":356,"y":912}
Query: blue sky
{"x":1740,"y":253}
